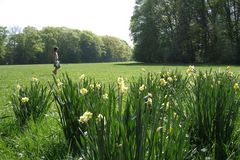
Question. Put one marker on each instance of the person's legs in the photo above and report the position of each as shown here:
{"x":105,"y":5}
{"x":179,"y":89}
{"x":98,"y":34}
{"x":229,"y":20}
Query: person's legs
{"x":57,"y":66}
{"x":55,"y":71}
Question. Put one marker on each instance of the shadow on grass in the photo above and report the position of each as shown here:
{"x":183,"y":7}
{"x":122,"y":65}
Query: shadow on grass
{"x":149,"y":64}
{"x":168,"y":64}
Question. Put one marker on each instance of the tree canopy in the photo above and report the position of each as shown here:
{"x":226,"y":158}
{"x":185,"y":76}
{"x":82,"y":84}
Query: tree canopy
{"x":186,"y":31}
{"x":31,"y":46}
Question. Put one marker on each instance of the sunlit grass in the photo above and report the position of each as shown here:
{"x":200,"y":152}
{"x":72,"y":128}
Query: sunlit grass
{"x":11,"y":75}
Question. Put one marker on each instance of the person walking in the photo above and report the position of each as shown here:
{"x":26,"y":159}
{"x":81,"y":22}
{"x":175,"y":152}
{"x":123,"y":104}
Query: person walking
{"x":55,"y":60}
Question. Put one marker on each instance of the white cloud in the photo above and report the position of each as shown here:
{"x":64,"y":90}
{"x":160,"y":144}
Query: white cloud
{"x":103,"y":17}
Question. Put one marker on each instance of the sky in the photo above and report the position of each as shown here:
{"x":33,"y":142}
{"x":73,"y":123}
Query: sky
{"x":102,"y":17}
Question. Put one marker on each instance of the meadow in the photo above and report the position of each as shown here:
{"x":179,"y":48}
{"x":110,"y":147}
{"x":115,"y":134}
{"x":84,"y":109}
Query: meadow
{"x":11,"y":75}
{"x":45,"y":139}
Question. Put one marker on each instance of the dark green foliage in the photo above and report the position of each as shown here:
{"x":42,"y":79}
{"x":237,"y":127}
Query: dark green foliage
{"x":186,"y":31}
{"x":3,"y":38}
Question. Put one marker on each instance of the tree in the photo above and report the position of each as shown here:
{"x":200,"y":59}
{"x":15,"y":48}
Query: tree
{"x":33,"y":46}
{"x":90,"y":46}
{"x":69,"y":43}
{"x":115,"y":49}
{"x":144,"y":31}
{"x":49,"y":37}
{"x":186,"y":31}
{"x":29,"y":46}
{"x":3,"y":37}
{"x":12,"y":44}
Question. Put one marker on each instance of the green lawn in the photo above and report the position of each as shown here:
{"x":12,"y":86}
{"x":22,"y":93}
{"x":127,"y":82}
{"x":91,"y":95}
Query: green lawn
{"x":11,"y":75}
{"x":45,"y":139}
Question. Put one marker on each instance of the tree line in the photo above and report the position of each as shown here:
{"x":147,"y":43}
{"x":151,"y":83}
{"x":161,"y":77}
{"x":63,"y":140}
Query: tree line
{"x":186,"y":31}
{"x":31,"y":46}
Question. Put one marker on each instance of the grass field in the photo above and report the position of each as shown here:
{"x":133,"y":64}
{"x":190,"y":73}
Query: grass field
{"x":11,"y":75}
{"x":45,"y":140}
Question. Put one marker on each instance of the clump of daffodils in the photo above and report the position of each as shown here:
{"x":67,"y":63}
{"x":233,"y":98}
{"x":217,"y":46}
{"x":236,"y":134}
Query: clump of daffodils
{"x":236,"y":86}
{"x":105,"y":96}
{"x":142,"y":88}
{"x":85,"y":117}
{"x":24,"y":99}
{"x":190,"y":70}
{"x":121,"y":85}
{"x":83,"y":91}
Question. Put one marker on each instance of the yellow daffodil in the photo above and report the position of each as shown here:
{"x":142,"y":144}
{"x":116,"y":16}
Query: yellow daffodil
{"x":100,"y":117}
{"x":85,"y":117}
{"x":170,"y":79}
{"x":34,"y":79}
{"x":191,"y":83}
{"x":190,"y":70}
{"x":18,"y":87}
{"x":149,"y":95}
{"x":24,"y":99}
{"x":149,"y":101}
{"x":98,"y":86}
{"x":142,"y":88}
{"x":83,"y":91}
{"x":121,"y":85}
{"x":91,"y":86}
{"x":163,"y":82}
{"x":236,"y":86}
{"x":59,"y":84}
{"x":82,"y":77}
{"x":105,"y":96}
